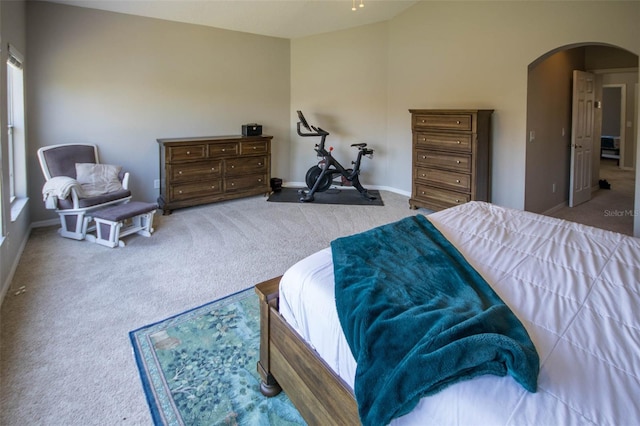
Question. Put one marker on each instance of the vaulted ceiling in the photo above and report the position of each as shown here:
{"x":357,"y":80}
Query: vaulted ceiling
{"x":277,"y":18}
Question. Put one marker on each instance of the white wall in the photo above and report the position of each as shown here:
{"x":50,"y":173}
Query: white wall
{"x":16,"y":229}
{"x":122,"y":81}
{"x":456,"y":55}
{"x":339,"y":80}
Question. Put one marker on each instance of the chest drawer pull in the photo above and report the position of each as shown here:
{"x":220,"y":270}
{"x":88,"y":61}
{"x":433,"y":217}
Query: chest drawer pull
{"x":457,"y":180}
{"x":188,"y":152}
{"x":180,"y":172}
{"x":457,"y":161}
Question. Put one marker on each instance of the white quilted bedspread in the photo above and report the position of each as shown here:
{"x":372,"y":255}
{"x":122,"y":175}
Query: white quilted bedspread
{"x":575,"y":288}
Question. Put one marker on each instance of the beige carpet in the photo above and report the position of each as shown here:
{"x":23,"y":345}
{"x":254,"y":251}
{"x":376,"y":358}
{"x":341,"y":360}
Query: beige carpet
{"x":65,"y":356}
{"x":610,"y":209}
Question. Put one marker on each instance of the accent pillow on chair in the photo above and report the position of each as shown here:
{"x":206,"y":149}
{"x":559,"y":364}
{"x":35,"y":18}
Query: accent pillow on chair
{"x":98,"y":179}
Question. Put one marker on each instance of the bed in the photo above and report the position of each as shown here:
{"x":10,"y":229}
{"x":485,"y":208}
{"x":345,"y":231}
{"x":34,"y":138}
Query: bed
{"x":574,"y":288}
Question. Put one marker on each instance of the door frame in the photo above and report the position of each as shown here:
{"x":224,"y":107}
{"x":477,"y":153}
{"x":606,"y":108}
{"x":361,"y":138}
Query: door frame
{"x":623,"y":117}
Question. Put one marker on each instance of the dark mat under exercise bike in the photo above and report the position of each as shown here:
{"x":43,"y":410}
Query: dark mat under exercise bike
{"x":331,"y":196}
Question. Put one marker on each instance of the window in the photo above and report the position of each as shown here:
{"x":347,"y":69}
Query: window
{"x":16,"y":160}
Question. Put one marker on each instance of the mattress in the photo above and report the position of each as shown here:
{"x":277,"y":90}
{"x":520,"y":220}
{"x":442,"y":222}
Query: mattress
{"x":575,"y":289}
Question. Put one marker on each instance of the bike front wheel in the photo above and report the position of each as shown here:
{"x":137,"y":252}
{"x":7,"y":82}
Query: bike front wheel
{"x":313,"y":174}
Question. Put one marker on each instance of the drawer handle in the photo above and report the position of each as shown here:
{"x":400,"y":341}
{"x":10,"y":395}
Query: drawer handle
{"x":424,"y":157}
{"x":223,"y":149}
{"x":255,"y":147}
{"x":259,"y":164}
{"x":458,"y":142}
{"x":213,"y":187}
{"x":424,"y":139}
{"x":422,"y":192}
{"x":180,"y":192}
{"x":213,"y":169}
{"x":259,"y":180}
{"x":232,"y":183}
{"x":422,"y":121}
{"x":180,"y":172}
{"x":188,"y":152}
{"x":232,"y":166}
{"x":457,"y":161}
{"x":424,"y":175}
{"x":457,"y":121}
{"x":457,"y":180}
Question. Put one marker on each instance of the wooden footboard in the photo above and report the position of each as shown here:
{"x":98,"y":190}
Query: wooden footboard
{"x":287,"y":362}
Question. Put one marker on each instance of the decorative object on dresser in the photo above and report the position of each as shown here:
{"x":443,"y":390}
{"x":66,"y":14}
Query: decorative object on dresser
{"x":451,"y":157}
{"x":204,"y":170}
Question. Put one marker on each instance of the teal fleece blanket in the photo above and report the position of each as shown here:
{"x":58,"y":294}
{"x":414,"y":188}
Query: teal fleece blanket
{"x":418,"y":318}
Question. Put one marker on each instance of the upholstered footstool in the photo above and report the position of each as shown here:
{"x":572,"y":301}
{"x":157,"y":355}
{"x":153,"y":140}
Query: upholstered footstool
{"x":113,"y":223}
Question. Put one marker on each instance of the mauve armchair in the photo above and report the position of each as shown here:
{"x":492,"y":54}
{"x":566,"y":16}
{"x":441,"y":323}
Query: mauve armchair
{"x":77,"y":184}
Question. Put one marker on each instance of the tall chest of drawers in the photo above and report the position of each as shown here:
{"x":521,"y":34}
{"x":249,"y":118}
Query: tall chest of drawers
{"x":204,"y":170}
{"x":451,"y":157}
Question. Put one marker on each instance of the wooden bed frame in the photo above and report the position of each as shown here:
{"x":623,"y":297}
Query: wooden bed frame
{"x":288,"y":363}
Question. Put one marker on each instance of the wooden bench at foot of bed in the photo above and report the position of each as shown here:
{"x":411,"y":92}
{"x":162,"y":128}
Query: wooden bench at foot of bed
{"x":287,"y":362}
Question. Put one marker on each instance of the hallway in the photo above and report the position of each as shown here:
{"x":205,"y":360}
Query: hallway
{"x":610,"y":209}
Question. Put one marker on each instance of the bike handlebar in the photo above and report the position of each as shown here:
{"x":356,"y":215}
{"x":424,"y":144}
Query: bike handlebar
{"x":318,"y":131}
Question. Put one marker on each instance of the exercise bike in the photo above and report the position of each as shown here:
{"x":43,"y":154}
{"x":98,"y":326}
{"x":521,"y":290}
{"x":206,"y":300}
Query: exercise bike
{"x":320,"y":176}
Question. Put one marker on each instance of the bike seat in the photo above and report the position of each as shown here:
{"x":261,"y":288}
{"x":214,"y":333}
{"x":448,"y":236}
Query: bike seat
{"x":359,"y":145}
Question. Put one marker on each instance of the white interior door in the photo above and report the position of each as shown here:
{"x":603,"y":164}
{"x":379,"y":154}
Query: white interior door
{"x":581,"y":137}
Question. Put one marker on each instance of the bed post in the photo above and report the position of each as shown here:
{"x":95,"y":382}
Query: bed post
{"x":268,"y":295}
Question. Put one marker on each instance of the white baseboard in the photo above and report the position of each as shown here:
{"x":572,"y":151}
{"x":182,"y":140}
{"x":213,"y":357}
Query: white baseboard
{"x":555,"y":208}
{"x":44,"y":223}
{"x":14,"y":266}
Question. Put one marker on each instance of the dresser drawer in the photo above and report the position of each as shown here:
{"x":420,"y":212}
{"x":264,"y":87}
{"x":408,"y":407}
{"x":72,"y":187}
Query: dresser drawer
{"x":259,"y":147}
{"x":195,"y":189}
{"x":440,"y":197}
{"x":237,"y":166}
{"x":223,"y":149}
{"x":443,"y":121}
{"x":194,"y":171}
{"x":445,"y":141}
{"x":241,"y":183}
{"x":449,"y":161}
{"x":457,"y":181}
{"x":186,"y":153}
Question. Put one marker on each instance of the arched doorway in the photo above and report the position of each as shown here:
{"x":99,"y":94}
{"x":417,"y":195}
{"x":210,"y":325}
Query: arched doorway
{"x":549,"y":97}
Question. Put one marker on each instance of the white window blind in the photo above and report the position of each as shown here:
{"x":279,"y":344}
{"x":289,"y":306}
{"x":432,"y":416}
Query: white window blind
{"x":15,"y":58}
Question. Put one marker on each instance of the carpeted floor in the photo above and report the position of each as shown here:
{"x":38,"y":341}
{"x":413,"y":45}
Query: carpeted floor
{"x":199,"y":367}
{"x":611,"y":209}
{"x":65,"y":354}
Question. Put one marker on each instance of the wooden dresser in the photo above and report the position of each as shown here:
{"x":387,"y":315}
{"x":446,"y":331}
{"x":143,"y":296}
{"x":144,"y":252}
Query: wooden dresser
{"x":209,"y":169}
{"x":451,"y":157}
